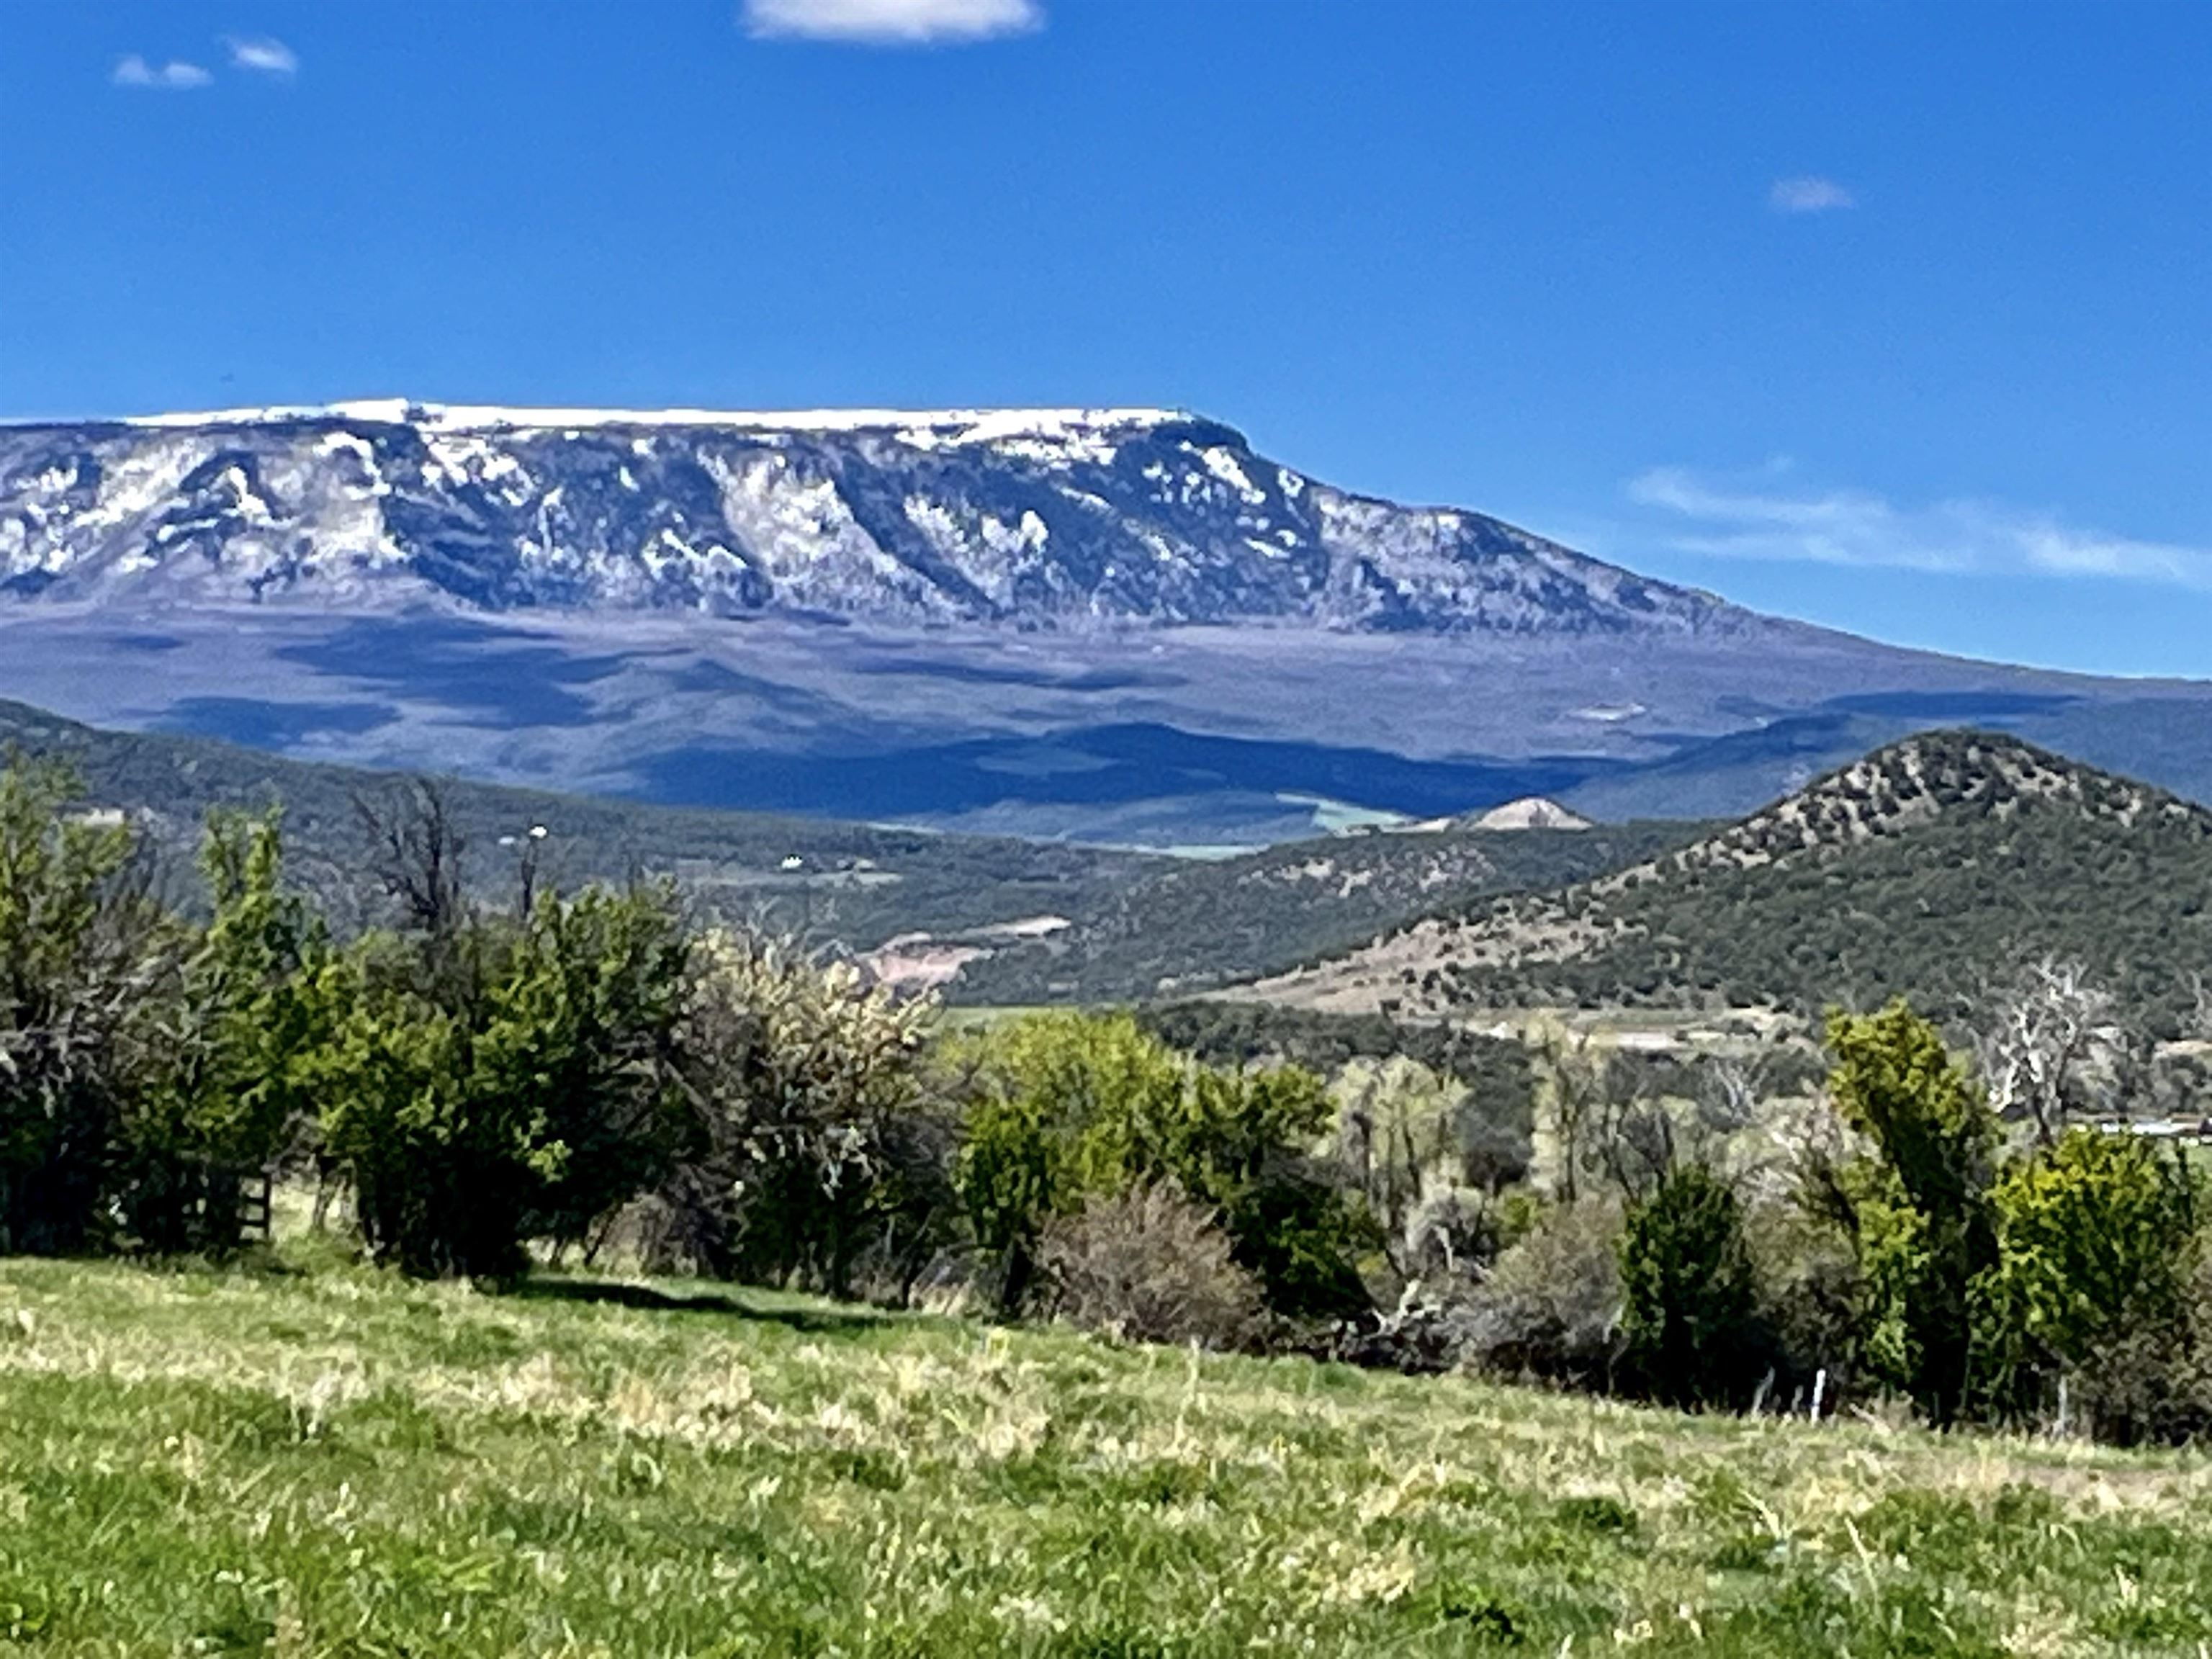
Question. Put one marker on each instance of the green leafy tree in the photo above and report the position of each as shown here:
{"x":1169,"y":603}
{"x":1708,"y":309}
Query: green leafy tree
{"x":485,"y":1082}
{"x":580,"y":1031}
{"x":1069,"y":1106}
{"x":1690,"y":1293}
{"x":2097,"y":1243}
{"x":1059,"y":1104}
{"x":228,"y":1095}
{"x":1236,"y":1142}
{"x":439,"y":1173}
{"x":1013,"y":1177}
{"x":1918,"y":1209}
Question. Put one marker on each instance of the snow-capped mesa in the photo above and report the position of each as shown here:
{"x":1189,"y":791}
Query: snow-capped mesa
{"x":1042,"y":518}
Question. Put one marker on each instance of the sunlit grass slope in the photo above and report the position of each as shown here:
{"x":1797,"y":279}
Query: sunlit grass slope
{"x":339,"y":1462}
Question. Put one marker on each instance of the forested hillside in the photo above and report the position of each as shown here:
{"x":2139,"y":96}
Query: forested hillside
{"x":852,"y":882}
{"x":1930,"y":869}
{"x":1188,"y":926}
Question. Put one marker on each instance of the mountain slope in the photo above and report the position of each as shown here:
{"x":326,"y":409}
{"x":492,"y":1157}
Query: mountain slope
{"x":850,"y":884}
{"x":1022,"y":921}
{"x":1041,"y":517}
{"x":1926,"y":869}
{"x":1191,"y":925}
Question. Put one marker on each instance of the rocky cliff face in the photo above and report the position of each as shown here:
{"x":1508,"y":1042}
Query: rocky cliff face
{"x":1038,"y":519}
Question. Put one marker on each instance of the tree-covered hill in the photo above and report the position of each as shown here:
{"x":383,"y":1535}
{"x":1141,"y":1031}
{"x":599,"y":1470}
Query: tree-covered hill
{"x":1927,"y":869}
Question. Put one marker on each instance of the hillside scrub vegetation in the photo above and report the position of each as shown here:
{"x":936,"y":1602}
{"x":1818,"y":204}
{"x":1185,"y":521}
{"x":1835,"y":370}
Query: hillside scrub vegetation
{"x":1133,"y":924}
{"x":1921,"y":871}
{"x":478,"y":1086}
{"x":1197,"y":924}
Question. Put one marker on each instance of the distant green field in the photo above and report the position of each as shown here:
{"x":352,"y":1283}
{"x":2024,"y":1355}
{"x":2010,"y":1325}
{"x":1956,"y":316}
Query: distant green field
{"x":336,"y":1461}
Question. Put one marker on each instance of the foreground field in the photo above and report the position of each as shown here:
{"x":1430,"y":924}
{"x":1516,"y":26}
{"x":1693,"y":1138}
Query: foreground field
{"x":339,"y":1462}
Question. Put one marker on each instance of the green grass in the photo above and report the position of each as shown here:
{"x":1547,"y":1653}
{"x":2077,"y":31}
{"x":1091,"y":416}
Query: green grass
{"x":339,"y":1462}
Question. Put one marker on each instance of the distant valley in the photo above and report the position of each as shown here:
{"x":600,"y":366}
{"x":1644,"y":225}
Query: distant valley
{"x":981,"y":919}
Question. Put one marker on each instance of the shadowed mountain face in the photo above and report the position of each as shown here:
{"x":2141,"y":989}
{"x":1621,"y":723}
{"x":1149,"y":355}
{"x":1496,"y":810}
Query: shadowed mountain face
{"x":1115,"y":625}
{"x":1931,"y":868}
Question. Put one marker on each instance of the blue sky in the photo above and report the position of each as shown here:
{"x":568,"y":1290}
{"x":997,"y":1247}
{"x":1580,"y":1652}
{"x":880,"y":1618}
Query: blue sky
{"x":1895,"y":317}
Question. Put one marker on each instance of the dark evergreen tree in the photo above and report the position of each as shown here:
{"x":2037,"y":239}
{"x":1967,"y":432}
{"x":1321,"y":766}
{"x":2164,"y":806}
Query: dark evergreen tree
{"x":1690,"y":1293}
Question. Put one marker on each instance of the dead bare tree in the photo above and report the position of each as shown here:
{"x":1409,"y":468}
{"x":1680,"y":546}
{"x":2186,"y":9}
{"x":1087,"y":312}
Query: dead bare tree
{"x":1600,"y":1118}
{"x":1635,"y":1141}
{"x":415,"y":855}
{"x":1729,"y":1099}
{"x":1570,"y":1092}
{"x":2054,"y":1044}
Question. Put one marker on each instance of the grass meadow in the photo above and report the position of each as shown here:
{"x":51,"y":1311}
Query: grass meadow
{"x":337,"y":1462}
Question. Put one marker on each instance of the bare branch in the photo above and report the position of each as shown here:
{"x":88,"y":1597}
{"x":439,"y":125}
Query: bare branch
{"x":2053,"y":1046}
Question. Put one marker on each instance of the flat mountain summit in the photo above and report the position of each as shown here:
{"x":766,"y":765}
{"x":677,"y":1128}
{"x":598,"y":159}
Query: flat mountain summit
{"x":1929,"y":868}
{"x":1121,"y":626}
{"x":1040,"y":517}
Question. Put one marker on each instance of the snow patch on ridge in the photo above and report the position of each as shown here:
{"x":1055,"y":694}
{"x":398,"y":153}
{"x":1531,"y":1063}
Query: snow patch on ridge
{"x":1040,"y":517}
{"x":921,"y":428}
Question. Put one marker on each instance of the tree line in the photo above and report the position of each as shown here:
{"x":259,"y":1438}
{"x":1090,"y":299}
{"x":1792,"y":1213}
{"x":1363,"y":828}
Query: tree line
{"x":1988,"y":1241}
{"x":483,"y":1083}
{"x":485,"y":1077}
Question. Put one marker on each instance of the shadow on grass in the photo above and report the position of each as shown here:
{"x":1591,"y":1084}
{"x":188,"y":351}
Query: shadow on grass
{"x":646,"y":1297}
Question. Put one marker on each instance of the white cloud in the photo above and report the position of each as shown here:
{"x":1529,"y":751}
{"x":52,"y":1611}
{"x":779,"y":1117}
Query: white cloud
{"x":1809,"y":194}
{"x":890,"y":23}
{"x":1856,"y":527}
{"x":173,"y":77}
{"x":263,"y":55}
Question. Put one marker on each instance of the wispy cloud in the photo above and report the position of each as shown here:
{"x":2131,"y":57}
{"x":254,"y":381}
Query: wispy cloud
{"x":891,"y":22}
{"x":262,"y":55}
{"x":172,"y":76}
{"x":1856,"y":527}
{"x":1809,"y":194}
